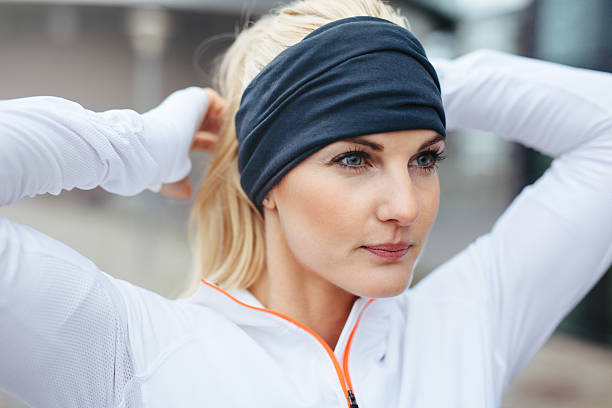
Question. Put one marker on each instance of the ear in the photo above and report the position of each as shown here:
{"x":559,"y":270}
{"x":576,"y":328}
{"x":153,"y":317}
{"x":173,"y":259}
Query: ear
{"x":269,"y":201}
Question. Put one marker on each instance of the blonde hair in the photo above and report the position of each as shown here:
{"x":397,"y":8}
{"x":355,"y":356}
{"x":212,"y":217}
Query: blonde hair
{"x":229,"y":246}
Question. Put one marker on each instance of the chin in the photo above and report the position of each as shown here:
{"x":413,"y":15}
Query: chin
{"x":385,"y":292}
{"x":383,"y":287}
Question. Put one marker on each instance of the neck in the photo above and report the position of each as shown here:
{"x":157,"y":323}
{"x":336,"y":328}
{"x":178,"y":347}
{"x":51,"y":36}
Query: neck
{"x":287,"y":287}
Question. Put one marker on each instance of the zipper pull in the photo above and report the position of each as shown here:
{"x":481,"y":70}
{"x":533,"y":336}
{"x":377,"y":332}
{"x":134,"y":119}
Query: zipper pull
{"x":352,"y":399}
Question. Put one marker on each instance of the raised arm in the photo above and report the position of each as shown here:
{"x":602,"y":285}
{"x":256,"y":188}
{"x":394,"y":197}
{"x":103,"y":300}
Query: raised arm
{"x":554,"y":241}
{"x":63,"y":325}
{"x":50,"y":144}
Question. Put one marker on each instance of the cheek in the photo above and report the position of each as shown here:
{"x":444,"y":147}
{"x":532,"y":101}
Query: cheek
{"x":429,"y":200}
{"x":320,"y":215}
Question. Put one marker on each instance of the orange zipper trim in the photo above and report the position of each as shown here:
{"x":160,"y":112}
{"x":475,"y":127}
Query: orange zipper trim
{"x":345,"y":383}
{"x":347,"y":350}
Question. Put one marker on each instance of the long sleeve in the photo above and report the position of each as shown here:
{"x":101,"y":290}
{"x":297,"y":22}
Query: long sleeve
{"x":554,"y":242}
{"x":50,"y":144}
{"x":63,"y":322}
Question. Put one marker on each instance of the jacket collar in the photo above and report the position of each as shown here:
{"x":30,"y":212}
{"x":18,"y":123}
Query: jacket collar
{"x":239,"y":306}
{"x":243,"y":308}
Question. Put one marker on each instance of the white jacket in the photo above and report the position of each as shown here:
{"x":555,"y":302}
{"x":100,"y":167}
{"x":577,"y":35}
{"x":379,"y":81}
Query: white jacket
{"x":73,"y":336}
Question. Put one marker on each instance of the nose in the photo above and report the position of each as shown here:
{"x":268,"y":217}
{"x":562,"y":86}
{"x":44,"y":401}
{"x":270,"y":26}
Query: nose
{"x":399,"y":201}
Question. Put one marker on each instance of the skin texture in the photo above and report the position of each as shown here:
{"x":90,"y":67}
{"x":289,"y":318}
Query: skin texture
{"x":321,"y":214}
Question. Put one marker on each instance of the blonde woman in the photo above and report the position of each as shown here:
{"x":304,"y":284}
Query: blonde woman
{"x":318,"y":201}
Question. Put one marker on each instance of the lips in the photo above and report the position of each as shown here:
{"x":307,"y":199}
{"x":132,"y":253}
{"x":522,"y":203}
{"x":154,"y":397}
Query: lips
{"x":389,"y":252}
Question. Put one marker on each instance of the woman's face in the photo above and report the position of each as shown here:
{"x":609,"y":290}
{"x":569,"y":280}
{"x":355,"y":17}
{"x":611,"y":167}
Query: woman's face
{"x":357,"y":212}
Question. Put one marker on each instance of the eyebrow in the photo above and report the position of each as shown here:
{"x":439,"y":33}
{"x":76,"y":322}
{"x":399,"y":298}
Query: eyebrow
{"x":374,"y":146}
{"x":379,"y":148}
{"x":437,"y":138}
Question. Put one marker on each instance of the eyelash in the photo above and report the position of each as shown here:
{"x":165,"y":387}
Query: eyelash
{"x":436,"y":155}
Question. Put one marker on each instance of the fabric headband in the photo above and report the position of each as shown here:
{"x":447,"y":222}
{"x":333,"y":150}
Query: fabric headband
{"x":351,"y":77}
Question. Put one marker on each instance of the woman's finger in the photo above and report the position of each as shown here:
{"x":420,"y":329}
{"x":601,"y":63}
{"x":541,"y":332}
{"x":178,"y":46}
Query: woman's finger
{"x":179,"y":190}
{"x":215,"y":114}
{"x":204,"y":141}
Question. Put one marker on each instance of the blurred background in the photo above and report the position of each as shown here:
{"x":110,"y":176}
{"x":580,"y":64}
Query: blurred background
{"x":108,"y":54}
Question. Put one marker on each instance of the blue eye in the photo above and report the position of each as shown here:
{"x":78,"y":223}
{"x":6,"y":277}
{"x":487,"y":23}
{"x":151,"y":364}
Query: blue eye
{"x":428,"y":160}
{"x":355,"y":160}
{"x":352,"y":160}
{"x":358,"y":160}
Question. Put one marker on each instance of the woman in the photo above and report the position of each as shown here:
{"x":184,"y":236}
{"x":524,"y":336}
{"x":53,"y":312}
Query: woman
{"x":319,"y":199}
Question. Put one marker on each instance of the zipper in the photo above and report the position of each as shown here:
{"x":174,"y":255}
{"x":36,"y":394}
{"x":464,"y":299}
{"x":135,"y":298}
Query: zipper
{"x":349,"y":386}
{"x":351,"y":398}
{"x":343,"y":377}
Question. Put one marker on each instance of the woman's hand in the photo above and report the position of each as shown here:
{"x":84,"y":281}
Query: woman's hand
{"x":204,"y":140}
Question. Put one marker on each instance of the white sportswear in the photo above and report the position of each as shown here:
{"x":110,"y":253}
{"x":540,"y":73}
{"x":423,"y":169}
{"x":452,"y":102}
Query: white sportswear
{"x":73,"y":336}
